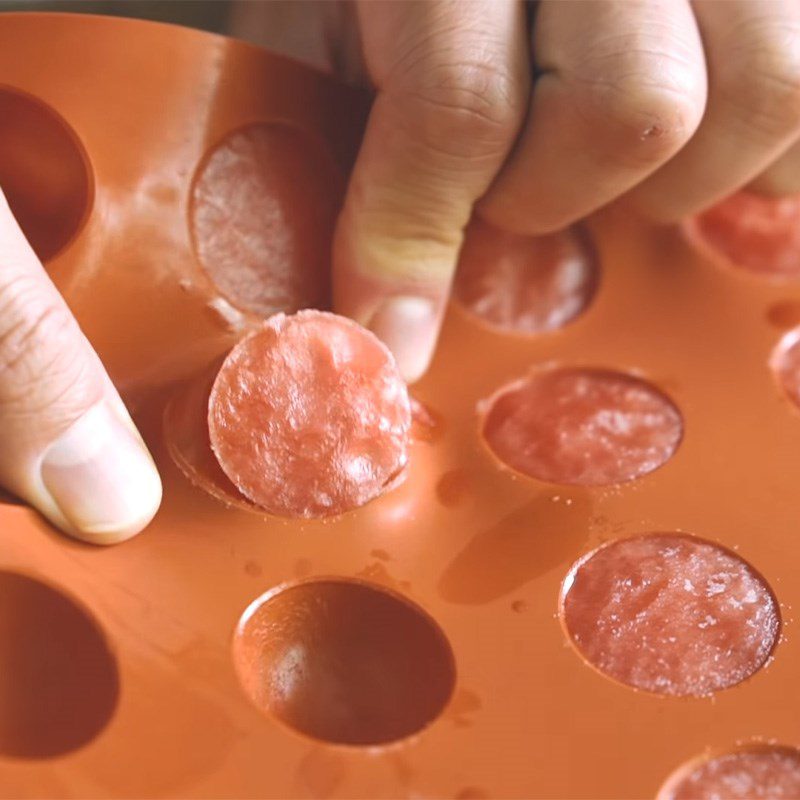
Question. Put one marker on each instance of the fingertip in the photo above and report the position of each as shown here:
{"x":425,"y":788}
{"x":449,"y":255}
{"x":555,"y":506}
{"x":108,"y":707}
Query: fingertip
{"x":116,"y":533}
{"x":409,"y":327}
{"x":98,"y":480}
{"x":395,"y":287}
{"x":70,"y":448}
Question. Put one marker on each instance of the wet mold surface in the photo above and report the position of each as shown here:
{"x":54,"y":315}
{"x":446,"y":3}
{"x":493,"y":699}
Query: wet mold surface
{"x":599,"y":470}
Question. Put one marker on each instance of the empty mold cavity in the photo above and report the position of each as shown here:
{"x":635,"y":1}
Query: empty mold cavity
{"x":525,"y":284}
{"x":670,"y":613}
{"x":785,"y":363}
{"x":58,"y":678}
{"x":264,"y":203}
{"x":44,"y":172}
{"x":344,"y":661}
{"x":751,"y":772}
{"x":582,"y":426}
{"x":753,"y":232}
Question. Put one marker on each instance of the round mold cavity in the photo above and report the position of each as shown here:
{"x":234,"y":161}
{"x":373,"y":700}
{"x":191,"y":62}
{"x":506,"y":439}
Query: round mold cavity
{"x":59,"y":683}
{"x":750,"y":772}
{"x":785,"y":365}
{"x":525,"y":284}
{"x":670,"y":614}
{"x":752,"y":232}
{"x":582,"y":427}
{"x":44,"y":172}
{"x":263,"y":207}
{"x":344,"y":661}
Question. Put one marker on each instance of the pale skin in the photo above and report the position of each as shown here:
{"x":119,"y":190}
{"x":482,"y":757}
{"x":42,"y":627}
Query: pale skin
{"x":663,"y":107}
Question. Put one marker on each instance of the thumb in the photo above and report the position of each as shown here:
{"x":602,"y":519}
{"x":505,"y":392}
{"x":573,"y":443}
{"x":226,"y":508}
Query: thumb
{"x":67,"y":444}
{"x":453,"y":83}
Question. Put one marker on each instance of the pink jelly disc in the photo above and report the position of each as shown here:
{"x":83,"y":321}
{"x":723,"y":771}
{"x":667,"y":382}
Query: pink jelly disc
{"x":758,"y":233}
{"x":525,"y":284}
{"x":264,"y":204}
{"x":757,"y":772}
{"x":582,"y":427}
{"x":670,"y":613}
{"x":309,"y":416}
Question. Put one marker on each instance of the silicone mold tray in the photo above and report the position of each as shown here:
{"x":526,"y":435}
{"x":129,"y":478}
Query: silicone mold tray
{"x":129,"y":671}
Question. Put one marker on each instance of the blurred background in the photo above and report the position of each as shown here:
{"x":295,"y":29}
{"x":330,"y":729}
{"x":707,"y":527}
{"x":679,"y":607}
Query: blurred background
{"x":210,"y":15}
{"x":321,"y":33}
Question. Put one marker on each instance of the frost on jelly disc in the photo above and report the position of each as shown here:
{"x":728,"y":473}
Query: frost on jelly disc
{"x":582,"y":427}
{"x":525,"y":284}
{"x":670,"y":613}
{"x":309,"y":416}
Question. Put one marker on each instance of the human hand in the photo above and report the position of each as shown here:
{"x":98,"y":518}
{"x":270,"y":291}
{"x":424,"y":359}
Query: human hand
{"x":67,"y":443}
{"x":628,"y":102}
{"x":665,"y":104}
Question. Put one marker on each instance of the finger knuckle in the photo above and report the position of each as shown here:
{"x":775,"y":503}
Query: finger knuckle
{"x":463,"y":110}
{"x":643,"y":107}
{"x":39,"y":362}
{"x":645,"y":123}
{"x":761,"y":79}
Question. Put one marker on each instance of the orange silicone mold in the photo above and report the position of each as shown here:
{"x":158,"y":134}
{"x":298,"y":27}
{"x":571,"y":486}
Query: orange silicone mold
{"x":411,"y":648}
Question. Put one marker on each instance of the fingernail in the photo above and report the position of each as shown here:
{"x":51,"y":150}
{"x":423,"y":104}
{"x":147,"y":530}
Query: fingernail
{"x":408,"y":327}
{"x":101,"y":477}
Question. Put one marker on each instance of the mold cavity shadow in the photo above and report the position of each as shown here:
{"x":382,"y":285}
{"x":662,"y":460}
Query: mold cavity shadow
{"x":544,"y":533}
{"x":44,"y":172}
{"x":59,"y":683}
{"x":784,"y":314}
{"x":8,"y":499}
{"x":344,"y":661}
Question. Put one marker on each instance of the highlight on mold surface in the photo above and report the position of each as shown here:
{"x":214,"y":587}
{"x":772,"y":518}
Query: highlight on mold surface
{"x":785,"y":365}
{"x":670,"y":613}
{"x":344,"y":661}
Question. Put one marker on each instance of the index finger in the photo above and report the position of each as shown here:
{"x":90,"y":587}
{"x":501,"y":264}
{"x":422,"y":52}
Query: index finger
{"x":452,"y":84}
